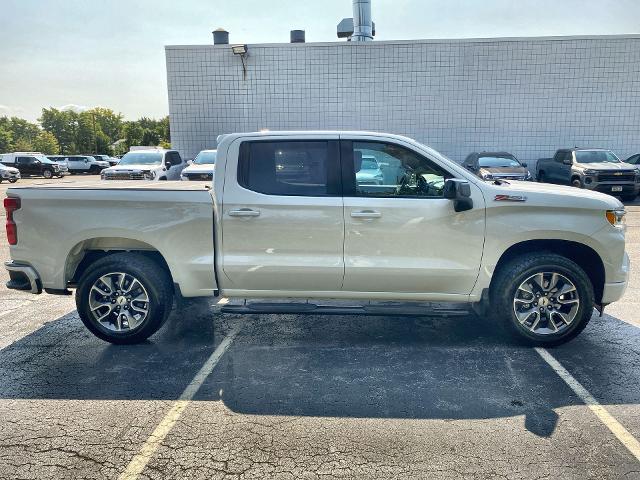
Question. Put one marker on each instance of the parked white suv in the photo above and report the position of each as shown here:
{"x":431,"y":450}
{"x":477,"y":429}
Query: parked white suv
{"x":80,"y":163}
{"x":152,"y":164}
{"x":202,"y":167}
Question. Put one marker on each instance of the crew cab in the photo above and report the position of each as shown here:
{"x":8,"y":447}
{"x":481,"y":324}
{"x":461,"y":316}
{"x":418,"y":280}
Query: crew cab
{"x":33,"y":164}
{"x":147,"y":164}
{"x":593,"y":169}
{"x":287,"y":218}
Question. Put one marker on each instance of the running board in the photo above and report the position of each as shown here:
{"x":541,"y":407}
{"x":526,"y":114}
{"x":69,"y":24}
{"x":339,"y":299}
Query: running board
{"x":373,"y":309}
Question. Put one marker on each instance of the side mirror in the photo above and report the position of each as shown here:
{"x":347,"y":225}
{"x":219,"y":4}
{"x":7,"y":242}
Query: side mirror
{"x":460,"y":192}
{"x":524,"y":164}
{"x":189,"y":162}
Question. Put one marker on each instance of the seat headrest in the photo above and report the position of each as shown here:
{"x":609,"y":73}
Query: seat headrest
{"x":357,"y":160}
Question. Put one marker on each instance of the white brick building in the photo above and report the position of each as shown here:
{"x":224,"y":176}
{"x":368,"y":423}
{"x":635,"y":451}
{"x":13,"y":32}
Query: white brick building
{"x":528,"y":96}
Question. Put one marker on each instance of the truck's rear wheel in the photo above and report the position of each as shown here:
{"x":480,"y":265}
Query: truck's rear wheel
{"x":545,"y":298}
{"x":124,"y":298}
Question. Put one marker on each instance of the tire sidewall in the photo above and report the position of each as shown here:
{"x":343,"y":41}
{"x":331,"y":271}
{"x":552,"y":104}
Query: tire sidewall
{"x":585,"y":310}
{"x":47,"y":174}
{"x":158,"y":310}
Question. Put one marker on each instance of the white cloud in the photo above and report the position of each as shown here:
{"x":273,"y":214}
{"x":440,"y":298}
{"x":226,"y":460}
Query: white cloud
{"x":75,"y":108}
{"x":8,"y":111}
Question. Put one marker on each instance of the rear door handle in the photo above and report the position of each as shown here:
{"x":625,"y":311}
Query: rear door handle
{"x":244,"y":212}
{"x":366,"y":214}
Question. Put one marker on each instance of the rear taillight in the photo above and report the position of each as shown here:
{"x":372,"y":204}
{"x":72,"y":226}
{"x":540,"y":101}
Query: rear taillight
{"x":11,"y":204}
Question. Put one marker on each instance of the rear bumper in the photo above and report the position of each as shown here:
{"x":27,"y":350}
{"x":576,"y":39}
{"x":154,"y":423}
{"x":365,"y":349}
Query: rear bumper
{"x":23,"y":277}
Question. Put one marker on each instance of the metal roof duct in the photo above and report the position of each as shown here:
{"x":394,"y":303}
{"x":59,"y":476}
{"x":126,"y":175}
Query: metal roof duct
{"x":362,"y":24}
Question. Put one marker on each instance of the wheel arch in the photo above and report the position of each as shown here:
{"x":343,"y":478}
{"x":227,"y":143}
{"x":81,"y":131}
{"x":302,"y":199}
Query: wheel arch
{"x":88,"y":251}
{"x":583,"y":255}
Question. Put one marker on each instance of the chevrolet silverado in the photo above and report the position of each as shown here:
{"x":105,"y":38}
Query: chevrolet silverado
{"x":286,"y":217}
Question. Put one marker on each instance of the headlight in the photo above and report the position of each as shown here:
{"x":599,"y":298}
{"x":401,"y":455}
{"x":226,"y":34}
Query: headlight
{"x":616,"y":217}
{"x":589,"y":172}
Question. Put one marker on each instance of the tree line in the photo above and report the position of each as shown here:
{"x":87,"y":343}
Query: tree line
{"x":98,"y":130}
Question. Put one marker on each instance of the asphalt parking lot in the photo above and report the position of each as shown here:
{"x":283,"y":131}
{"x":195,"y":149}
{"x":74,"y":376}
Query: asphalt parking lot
{"x":284,"y":396}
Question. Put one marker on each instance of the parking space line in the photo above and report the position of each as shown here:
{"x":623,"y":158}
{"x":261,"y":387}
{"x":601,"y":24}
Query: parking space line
{"x":621,"y":433}
{"x":141,"y":459}
{"x":11,"y":310}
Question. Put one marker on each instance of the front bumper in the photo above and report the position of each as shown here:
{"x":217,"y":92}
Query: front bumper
{"x":11,"y":176}
{"x":611,"y":187}
{"x":23,"y":277}
{"x":614,"y":291}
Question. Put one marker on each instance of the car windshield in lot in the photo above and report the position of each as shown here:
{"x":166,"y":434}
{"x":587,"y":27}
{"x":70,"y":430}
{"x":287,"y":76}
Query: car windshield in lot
{"x":498,"y":162}
{"x":369,"y":164}
{"x":596,"y":156}
{"x":142,"y":158}
{"x":205,"y":158}
{"x":43,"y":159}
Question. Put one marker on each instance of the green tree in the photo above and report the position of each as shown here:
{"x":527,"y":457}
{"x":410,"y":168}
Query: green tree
{"x":63,"y":125}
{"x":6,"y":140}
{"x":22,"y":145}
{"x":110,"y":123}
{"x":46,"y":143}
{"x":21,"y":129}
{"x":133,"y":134}
{"x":150,"y":137}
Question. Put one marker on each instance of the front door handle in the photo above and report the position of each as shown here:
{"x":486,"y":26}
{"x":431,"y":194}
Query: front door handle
{"x":244,"y":212}
{"x":366,"y":214}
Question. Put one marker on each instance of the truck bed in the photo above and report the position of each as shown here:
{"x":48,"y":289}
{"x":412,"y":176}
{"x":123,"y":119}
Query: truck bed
{"x":58,"y":224}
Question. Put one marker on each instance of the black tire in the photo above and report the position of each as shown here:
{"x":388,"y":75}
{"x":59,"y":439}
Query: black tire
{"x":628,"y":198}
{"x":47,"y":174}
{"x":541,"y":177}
{"x":576,"y":182}
{"x":156,"y":281}
{"x":13,"y":180}
{"x":511,"y":275}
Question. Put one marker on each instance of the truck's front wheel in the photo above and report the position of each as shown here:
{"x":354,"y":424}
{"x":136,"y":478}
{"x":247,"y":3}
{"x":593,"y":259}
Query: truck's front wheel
{"x":545,"y":298}
{"x":124,"y":298}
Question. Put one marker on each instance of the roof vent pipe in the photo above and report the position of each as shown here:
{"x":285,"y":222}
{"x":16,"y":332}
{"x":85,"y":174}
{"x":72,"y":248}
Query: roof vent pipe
{"x":297,"y":36}
{"x":220,"y":37}
{"x":362,"y":24}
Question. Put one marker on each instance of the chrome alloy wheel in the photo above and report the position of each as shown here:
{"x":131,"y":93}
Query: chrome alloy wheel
{"x":119,"y":302}
{"x":546,"y":303}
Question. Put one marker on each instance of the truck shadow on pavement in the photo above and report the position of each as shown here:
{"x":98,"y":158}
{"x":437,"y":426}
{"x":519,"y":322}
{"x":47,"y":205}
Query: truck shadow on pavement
{"x":347,"y":366}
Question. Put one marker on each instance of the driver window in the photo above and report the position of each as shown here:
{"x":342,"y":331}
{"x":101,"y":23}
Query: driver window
{"x":389,"y":170}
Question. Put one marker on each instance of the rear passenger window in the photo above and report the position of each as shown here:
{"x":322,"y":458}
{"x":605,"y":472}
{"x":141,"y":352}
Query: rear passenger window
{"x":301,"y":168}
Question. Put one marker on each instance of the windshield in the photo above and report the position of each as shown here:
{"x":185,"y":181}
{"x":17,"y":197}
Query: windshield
{"x":369,"y":164}
{"x":141,"y":158}
{"x":43,"y":159}
{"x":206,"y":158}
{"x":498,"y":162}
{"x":596,"y":156}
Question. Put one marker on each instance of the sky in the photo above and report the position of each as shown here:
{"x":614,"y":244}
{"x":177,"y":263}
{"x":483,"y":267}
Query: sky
{"x":79,"y":54}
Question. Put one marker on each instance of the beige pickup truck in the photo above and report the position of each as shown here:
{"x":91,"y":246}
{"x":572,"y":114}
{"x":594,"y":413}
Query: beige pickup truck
{"x":287,"y":217}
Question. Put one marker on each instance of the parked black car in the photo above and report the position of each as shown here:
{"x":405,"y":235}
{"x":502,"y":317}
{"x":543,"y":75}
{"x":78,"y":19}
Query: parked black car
{"x":496,"y":166}
{"x":33,"y":165}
